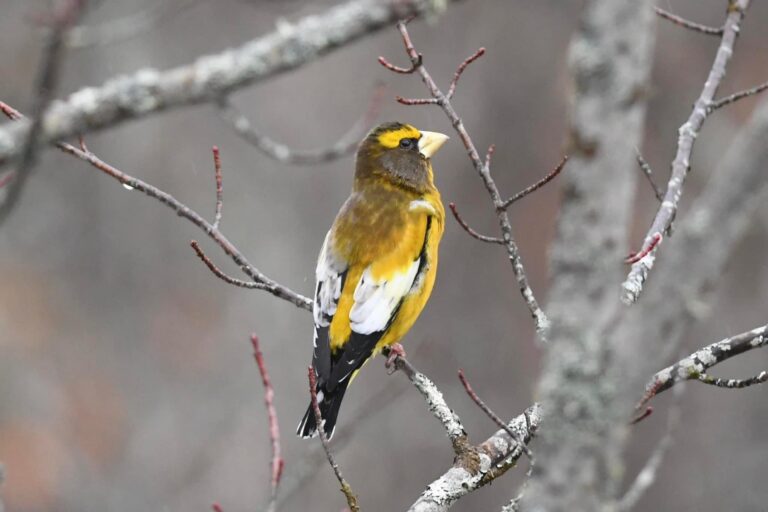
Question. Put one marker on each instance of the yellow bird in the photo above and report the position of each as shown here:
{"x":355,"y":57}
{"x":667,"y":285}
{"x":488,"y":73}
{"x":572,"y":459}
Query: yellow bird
{"x":378,"y":262}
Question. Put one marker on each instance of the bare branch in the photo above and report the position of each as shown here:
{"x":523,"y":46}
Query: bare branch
{"x":345,"y":488}
{"x":149,"y":91}
{"x":469,"y":474}
{"x":489,"y":412}
{"x":536,"y":186}
{"x":691,"y":25}
{"x":219,"y":186}
{"x":44,"y":89}
{"x":274,"y":428}
{"x":483,"y":169}
{"x":648,"y":173}
{"x":437,"y":405}
{"x":472,"y":232}
{"x":252,"y":285}
{"x":736,"y":97}
{"x":132,"y":183}
{"x":460,"y":70}
{"x":662,"y":223}
{"x":346,"y":145}
{"x":695,"y":365}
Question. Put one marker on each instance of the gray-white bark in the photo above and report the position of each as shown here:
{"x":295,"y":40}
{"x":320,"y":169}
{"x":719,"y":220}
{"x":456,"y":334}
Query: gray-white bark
{"x":149,"y":91}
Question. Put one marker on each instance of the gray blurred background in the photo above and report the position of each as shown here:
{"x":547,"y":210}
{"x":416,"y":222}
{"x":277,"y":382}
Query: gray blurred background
{"x":126,"y":375}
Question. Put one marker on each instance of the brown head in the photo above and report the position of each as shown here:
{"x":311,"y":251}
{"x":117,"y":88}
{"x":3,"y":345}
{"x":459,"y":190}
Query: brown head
{"x":400,"y":154}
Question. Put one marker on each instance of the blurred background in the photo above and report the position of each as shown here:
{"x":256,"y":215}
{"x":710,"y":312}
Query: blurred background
{"x":126,"y":375}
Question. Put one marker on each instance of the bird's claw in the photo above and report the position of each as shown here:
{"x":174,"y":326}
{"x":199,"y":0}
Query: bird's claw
{"x":395,"y":350}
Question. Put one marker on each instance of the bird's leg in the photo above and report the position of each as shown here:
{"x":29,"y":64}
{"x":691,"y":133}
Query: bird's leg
{"x":395,"y":350}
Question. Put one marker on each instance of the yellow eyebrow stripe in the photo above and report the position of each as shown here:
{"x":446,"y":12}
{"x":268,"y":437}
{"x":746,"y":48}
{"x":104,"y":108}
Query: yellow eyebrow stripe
{"x":391,"y":139}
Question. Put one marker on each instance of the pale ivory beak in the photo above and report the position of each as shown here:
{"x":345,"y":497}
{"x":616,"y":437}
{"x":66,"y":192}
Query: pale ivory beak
{"x":430,"y":142}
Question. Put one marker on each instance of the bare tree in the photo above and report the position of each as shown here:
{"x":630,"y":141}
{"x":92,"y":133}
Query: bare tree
{"x":602,"y":348}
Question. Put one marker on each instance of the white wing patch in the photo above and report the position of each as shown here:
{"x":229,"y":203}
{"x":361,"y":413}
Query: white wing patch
{"x":420,"y":205}
{"x":375,"y":301}
{"x":329,"y":279}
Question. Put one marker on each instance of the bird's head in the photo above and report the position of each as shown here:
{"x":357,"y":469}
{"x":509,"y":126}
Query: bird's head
{"x":399,"y":153}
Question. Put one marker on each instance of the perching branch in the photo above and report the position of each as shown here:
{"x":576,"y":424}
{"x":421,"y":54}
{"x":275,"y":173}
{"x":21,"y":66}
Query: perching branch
{"x":437,"y":406}
{"x":149,"y":91}
{"x":346,"y":145}
{"x":274,"y":428}
{"x":181,"y":209}
{"x":482,"y":167}
{"x":731,"y":98}
{"x":345,"y":488}
{"x":662,"y":223}
{"x":694,"y":366}
{"x":469,"y":474}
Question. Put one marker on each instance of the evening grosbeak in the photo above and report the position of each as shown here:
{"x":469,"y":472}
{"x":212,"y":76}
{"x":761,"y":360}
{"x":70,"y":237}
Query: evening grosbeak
{"x":377,"y":266}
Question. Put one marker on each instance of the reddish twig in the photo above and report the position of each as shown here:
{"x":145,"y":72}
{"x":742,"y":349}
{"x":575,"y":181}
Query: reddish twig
{"x":736,"y":97}
{"x":635,"y":257}
{"x":252,"y":285}
{"x":536,"y":186}
{"x":416,"y":101}
{"x":346,"y":145}
{"x":181,"y":209}
{"x":640,"y":417}
{"x":691,"y":25}
{"x":483,"y":170}
{"x":216,"y":507}
{"x":274,"y":428}
{"x":219,"y":187}
{"x":472,"y":232}
{"x":460,"y":70}
{"x":345,"y":488}
{"x":415,"y":64}
{"x":492,"y":415}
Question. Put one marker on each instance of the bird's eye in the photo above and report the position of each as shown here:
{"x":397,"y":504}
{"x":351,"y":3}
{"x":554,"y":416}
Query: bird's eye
{"x":407,"y":143}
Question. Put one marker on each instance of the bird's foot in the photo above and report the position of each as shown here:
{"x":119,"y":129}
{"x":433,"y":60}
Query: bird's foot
{"x":395,"y":350}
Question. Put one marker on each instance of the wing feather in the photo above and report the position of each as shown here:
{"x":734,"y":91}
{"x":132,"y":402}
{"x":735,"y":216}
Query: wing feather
{"x":330,"y":275}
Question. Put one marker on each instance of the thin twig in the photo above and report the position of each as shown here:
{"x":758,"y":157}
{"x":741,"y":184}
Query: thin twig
{"x":460,"y":70}
{"x":760,"y":378}
{"x":345,"y":488}
{"x":648,"y":173}
{"x":533,"y":188}
{"x":695,"y":365}
{"x":483,"y":169}
{"x":662,"y":223}
{"x":181,"y":209}
{"x":252,"y":285}
{"x":731,"y":98}
{"x":219,"y":187}
{"x":346,"y":145}
{"x":274,"y":428}
{"x":44,"y":89}
{"x":472,"y":232}
{"x":691,"y":25}
{"x":492,"y":415}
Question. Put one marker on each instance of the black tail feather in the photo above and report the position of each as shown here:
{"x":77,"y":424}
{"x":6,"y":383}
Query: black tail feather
{"x":329,"y":403}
